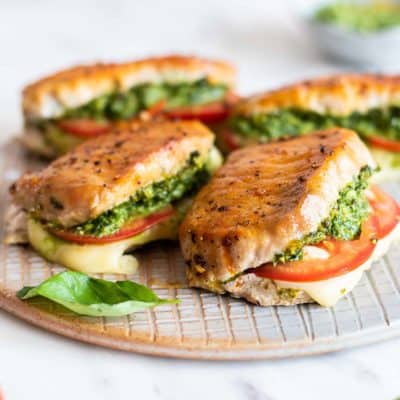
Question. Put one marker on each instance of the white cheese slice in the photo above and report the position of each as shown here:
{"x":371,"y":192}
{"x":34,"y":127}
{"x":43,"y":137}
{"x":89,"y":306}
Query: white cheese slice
{"x":327,"y":292}
{"x":314,"y":253}
{"x":97,"y":258}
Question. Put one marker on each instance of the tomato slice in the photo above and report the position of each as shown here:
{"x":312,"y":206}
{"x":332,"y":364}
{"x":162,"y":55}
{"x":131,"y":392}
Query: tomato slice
{"x":157,"y":108}
{"x":84,"y":127}
{"x":229,"y":139}
{"x":383,"y":143}
{"x":344,"y":256}
{"x":131,"y":228}
{"x":213,"y":112}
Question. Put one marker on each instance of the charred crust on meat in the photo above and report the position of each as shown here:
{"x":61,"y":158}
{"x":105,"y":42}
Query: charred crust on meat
{"x":56,"y":203}
{"x":302,"y":179}
{"x":227,"y":241}
{"x":199,"y":260}
{"x":118,"y":144}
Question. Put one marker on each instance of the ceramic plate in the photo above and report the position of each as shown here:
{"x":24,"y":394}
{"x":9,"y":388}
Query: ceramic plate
{"x":203,"y":325}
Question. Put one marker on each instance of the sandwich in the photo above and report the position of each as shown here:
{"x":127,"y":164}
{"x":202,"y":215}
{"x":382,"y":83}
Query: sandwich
{"x":289,"y":222}
{"x":114,"y":193}
{"x":367,"y":104}
{"x":62,"y":110}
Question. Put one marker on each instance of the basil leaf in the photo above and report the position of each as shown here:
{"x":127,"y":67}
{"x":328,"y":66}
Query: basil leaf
{"x":94,"y":297}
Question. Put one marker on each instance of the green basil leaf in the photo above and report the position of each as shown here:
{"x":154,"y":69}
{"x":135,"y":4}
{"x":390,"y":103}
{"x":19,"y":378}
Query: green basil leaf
{"x":94,"y":297}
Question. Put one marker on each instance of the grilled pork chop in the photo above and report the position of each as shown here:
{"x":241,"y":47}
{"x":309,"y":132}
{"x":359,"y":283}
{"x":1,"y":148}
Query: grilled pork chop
{"x":73,"y":87}
{"x":337,"y":95}
{"x":105,"y":171}
{"x":263,"y":198}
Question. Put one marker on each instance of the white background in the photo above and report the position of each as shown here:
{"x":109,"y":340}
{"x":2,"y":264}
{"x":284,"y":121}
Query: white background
{"x":267,"y":42}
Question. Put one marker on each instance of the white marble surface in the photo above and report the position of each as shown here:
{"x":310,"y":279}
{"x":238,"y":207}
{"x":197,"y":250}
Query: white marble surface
{"x":269,"y":46}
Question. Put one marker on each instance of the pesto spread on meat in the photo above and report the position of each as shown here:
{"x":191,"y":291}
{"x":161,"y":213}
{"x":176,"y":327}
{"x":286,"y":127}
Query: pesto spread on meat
{"x":344,"y":220}
{"x":125,"y":105}
{"x":366,"y":16}
{"x":151,"y":198}
{"x":293,"y":122}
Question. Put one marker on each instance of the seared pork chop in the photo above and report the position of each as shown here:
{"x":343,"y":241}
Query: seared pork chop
{"x":107,"y":170}
{"x":262,"y":199}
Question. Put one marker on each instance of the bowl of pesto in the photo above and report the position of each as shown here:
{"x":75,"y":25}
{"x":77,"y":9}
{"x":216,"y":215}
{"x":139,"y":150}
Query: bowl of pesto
{"x":366,"y":33}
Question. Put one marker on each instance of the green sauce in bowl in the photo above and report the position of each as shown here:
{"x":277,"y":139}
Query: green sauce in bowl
{"x":364,"y":17}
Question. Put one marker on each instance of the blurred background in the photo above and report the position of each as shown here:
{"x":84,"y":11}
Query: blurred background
{"x":271,"y":42}
{"x":267,"y":40}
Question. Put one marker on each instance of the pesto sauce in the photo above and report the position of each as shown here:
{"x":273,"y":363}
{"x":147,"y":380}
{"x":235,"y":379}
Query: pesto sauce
{"x":149,"y":199}
{"x":344,"y":220}
{"x":369,"y":16}
{"x":294,"y":122}
{"x":124,"y":105}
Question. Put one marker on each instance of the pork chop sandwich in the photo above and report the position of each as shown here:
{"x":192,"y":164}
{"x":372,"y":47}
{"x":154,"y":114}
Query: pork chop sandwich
{"x":367,"y":104}
{"x":289,"y":222}
{"x":112,"y":194}
{"x":63,"y":109}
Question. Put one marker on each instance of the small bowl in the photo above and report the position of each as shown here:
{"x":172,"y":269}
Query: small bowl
{"x":378,"y":50}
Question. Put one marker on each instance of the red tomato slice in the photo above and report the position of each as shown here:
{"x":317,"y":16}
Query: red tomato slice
{"x":157,"y":108}
{"x":229,"y":139}
{"x":84,"y":127}
{"x":213,"y":112}
{"x":383,"y":143}
{"x":345,"y":256}
{"x":130,"y":229}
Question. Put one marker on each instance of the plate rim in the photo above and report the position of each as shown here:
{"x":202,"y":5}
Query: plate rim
{"x":167,"y":348}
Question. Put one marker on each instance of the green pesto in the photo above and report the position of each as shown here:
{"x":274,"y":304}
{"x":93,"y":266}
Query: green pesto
{"x":124,"y":105}
{"x":288,"y":293}
{"x":149,"y":199}
{"x":344,"y":220}
{"x":369,"y":16}
{"x":293,"y":122}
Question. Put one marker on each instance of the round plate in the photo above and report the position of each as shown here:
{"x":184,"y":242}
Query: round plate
{"x":203,"y":325}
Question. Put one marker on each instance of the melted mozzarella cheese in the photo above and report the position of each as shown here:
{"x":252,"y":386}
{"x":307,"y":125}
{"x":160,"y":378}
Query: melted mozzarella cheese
{"x":96,"y":258}
{"x":314,"y":253}
{"x":327,"y":292}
